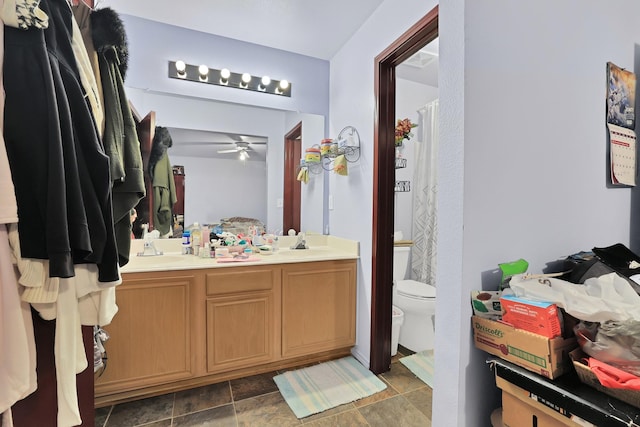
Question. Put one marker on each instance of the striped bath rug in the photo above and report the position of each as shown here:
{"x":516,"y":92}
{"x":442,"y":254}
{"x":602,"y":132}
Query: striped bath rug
{"x":421,"y":364}
{"x":327,"y":385}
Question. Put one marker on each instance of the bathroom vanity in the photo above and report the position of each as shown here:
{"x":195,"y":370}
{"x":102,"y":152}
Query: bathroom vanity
{"x":185,"y":322}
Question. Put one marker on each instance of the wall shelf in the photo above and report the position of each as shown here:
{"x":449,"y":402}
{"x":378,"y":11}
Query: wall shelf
{"x":348,"y":144}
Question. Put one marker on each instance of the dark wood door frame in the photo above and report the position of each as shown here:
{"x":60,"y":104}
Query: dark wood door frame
{"x":423,"y":32}
{"x":291,"y":188}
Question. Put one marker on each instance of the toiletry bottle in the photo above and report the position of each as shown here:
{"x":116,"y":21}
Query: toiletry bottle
{"x":186,"y":242}
{"x":205,"y":238}
{"x":196,"y":238}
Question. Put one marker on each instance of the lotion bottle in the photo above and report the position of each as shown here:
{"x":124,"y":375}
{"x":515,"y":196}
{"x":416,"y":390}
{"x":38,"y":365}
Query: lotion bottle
{"x":196,"y":238}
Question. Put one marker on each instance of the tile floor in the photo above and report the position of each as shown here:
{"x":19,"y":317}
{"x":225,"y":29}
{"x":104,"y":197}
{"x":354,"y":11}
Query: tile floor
{"x":256,"y":401}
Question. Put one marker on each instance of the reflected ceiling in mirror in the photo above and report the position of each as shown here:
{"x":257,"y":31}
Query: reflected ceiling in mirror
{"x":217,"y":145}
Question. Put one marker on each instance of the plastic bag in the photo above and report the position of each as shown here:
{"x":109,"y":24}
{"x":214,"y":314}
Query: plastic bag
{"x":601,"y":299}
{"x":614,"y":343}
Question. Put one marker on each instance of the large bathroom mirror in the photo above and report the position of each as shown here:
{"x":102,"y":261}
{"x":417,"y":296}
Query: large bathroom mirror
{"x":222,"y":180}
{"x":209,"y":134}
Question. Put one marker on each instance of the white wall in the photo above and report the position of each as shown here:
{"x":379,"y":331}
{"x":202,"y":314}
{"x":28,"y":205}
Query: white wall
{"x":522,"y":100}
{"x":410,"y":96}
{"x":522,"y":166}
{"x":352,"y":103}
{"x":152,"y":45}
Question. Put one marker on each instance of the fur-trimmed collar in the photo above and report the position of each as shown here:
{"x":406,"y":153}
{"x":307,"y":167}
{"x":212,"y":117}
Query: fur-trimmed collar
{"x":107,"y":31}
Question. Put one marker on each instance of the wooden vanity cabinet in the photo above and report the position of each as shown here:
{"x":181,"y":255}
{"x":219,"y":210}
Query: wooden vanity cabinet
{"x":187,"y":328}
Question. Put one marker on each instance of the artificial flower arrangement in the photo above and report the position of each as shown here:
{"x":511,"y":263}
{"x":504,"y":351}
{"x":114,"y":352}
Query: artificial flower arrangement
{"x":403,"y":131}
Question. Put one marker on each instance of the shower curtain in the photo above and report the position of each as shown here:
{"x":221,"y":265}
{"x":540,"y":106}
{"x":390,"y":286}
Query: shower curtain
{"x":425,"y":224}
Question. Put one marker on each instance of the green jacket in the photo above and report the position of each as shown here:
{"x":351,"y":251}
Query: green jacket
{"x":164,"y":195}
{"x":122,"y":145}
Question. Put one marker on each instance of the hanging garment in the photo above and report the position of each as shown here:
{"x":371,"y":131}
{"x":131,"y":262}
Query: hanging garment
{"x":164,"y":187}
{"x":87,"y":77}
{"x":82,"y":14}
{"x":164,"y":195}
{"x":17,"y":345}
{"x":80,"y":300}
{"x":58,"y":166}
{"x":120,"y":136}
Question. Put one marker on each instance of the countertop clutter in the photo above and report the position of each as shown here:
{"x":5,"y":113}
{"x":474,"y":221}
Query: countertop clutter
{"x":320,"y":248}
{"x":564,"y":343}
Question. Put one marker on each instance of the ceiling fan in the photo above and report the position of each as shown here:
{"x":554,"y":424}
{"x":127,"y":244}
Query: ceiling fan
{"x":241,"y":147}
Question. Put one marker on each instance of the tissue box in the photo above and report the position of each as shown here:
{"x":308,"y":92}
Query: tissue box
{"x":486,"y":304}
{"x":542,"y":318}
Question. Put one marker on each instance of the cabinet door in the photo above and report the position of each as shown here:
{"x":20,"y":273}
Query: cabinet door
{"x":243,"y":317}
{"x":240,"y":331}
{"x":318,"y":307}
{"x":150,"y":336}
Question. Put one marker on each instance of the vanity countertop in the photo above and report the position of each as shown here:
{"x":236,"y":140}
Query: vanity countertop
{"x":321,"y":248}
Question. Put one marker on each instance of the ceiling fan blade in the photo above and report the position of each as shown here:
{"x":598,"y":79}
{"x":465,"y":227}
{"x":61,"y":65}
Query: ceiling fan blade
{"x":233,"y":150}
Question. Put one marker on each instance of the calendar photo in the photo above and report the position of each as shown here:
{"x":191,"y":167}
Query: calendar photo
{"x":621,"y":96}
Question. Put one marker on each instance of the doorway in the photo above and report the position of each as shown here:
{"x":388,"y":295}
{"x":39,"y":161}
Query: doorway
{"x":423,"y":32}
{"x":291,"y":186}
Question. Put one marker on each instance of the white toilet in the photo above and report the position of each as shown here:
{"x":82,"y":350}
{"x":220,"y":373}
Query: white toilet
{"x":418,"y":302}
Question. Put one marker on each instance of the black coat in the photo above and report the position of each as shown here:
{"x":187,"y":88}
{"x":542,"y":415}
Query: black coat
{"x":58,"y":165}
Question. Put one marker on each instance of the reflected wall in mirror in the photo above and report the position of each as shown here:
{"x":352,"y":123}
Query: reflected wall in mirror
{"x":225,"y":174}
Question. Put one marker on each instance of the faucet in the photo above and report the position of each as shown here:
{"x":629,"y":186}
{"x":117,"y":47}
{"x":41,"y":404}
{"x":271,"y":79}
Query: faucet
{"x":301,"y":243}
{"x":149,"y":248}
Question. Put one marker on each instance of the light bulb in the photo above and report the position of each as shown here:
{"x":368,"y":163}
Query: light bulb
{"x":284,"y":84}
{"x":243,"y":156}
{"x":203,"y":70}
{"x":246,"y":77}
{"x":224,"y":76}
{"x":181,"y":68}
{"x":265,"y":81}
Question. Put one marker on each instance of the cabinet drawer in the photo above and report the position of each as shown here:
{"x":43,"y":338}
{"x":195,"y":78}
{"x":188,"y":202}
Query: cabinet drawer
{"x":243,"y":279}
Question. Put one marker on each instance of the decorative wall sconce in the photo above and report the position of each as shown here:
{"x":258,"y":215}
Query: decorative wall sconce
{"x":224,"y":77}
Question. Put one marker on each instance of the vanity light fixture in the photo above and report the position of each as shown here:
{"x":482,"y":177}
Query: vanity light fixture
{"x":225,"y":77}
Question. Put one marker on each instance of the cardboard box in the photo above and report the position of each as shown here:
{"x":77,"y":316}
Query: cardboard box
{"x":542,"y":318}
{"x":522,"y":408}
{"x":516,"y":413}
{"x":548,"y":357}
{"x":632,"y":397}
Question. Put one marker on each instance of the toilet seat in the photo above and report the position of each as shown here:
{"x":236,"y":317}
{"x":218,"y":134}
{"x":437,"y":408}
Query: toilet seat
{"x":414,"y":289}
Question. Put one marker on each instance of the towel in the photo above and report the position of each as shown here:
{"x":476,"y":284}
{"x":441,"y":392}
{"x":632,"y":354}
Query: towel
{"x":340,"y":165}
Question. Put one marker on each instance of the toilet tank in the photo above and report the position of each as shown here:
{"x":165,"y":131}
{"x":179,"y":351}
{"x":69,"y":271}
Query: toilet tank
{"x":400,"y":262}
